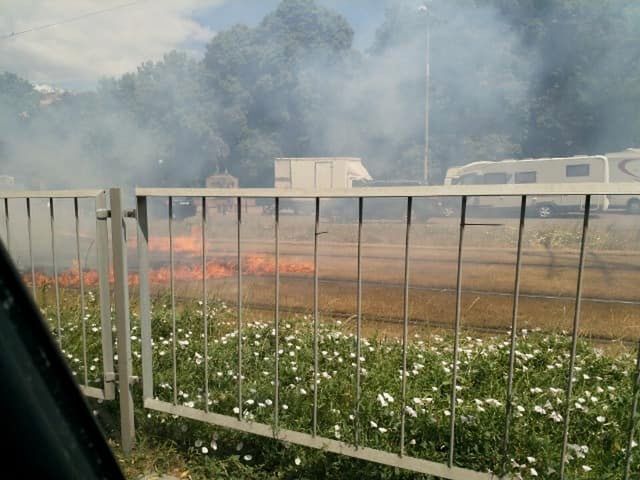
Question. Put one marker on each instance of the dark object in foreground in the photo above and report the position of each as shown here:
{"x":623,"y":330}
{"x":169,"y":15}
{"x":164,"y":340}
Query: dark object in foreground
{"x":48,"y":429}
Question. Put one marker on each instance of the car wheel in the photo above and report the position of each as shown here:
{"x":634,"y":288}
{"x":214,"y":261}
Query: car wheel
{"x":545,"y":211}
{"x":633,"y":206}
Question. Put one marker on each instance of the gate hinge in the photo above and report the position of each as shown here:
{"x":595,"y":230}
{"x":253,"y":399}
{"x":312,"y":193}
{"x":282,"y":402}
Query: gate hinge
{"x":130,"y":213}
{"x":103,"y":213}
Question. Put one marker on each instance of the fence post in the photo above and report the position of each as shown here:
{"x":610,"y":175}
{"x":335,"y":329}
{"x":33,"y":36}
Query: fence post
{"x":121,"y":294}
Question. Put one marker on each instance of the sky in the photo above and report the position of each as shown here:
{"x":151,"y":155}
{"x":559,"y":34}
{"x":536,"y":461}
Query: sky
{"x":76,"y":54}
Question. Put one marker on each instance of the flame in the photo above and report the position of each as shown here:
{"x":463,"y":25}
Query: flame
{"x":183,"y":246}
{"x":255,"y":265}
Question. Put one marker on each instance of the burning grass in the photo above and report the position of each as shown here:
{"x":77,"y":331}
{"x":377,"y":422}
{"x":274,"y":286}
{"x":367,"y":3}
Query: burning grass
{"x":600,"y":406}
{"x":256,"y":265}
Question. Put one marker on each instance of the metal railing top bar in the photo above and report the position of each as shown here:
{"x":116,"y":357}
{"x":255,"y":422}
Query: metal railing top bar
{"x":314,"y":438}
{"x":532,"y":190}
{"x":85,"y":193}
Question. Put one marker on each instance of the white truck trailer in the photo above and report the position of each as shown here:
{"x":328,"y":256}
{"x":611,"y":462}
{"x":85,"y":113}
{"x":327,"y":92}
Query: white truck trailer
{"x":576,"y":169}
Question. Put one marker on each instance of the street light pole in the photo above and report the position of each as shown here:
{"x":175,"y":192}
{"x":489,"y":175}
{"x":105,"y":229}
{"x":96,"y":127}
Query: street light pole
{"x":427,"y":83}
{"x":426,"y":109}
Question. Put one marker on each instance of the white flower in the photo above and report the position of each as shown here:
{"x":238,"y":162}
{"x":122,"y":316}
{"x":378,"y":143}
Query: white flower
{"x":417,"y":401}
{"x":373,"y":424}
{"x":600,"y":419}
{"x":555,"y":416}
{"x":303,"y":391}
{"x":297,"y":461}
{"x":447,"y":413}
{"x":520,"y":408}
{"x":586,"y":468}
{"x":214,"y":445}
{"x":205,"y":450}
{"x":531,"y":459}
{"x":236,"y":410}
{"x":248,"y":458}
{"x":410,"y":411}
{"x":382,"y":430}
{"x":198,"y":443}
{"x":533,"y":472}
{"x":539,"y":409}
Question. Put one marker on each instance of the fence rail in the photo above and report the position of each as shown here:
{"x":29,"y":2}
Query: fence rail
{"x":115,"y":215}
{"x":399,"y":459}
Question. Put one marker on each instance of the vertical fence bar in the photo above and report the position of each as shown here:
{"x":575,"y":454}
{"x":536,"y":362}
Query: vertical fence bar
{"x":102,"y":256}
{"x":83,"y":319}
{"x":315,"y":316}
{"x":173,"y":306}
{"x":276,"y":413}
{"x":574,"y":336}
{"x":634,"y":418}
{"x":6,"y":223}
{"x":405,"y":325}
{"x":239,"y":251}
{"x":456,"y":335}
{"x":55,"y":269}
{"x":29,"y":232}
{"x":121,"y":291}
{"x":358,"y":323}
{"x":514,"y":334}
{"x":205,"y":320}
{"x":145,"y":297}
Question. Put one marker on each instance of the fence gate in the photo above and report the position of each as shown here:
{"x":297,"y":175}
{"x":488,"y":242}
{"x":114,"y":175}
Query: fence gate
{"x":20,"y":211}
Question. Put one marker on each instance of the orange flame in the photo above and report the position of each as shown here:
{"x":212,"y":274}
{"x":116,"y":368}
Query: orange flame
{"x":256,"y":265}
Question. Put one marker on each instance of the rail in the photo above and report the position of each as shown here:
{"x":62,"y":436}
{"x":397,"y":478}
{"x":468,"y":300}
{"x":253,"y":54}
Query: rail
{"x":109,"y":212}
{"x":399,"y":459}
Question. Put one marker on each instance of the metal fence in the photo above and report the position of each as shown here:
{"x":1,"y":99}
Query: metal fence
{"x":103,"y":213}
{"x":398,"y":459}
{"x":109,"y":212}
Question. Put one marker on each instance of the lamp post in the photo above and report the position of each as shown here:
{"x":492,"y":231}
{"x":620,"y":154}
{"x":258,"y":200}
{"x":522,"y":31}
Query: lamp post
{"x":424,"y":9}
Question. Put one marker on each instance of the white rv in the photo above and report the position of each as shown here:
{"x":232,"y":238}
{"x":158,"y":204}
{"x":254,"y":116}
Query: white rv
{"x":535,"y":170}
{"x":625,"y":167}
{"x":319,"y":173}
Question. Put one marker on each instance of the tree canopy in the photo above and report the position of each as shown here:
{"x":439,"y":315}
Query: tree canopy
{"x":509,"y":78}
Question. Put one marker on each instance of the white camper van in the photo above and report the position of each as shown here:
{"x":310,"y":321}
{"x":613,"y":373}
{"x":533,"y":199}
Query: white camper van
{"x":316,"y":173}
{"x":625,"y":167}
{"x":319,"y":173}
{"x":577,"y":169}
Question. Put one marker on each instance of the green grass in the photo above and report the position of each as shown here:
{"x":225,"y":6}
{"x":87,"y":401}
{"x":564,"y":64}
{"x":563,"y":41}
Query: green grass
{"x":600,"y":416}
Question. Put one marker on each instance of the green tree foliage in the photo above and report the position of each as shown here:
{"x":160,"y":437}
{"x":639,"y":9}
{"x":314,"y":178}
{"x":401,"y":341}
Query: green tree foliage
{"x":509,"y":78}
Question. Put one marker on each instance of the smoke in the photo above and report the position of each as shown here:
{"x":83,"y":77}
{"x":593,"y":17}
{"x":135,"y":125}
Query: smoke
{"x":377,"y":109}
{"x":498,"y":90}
